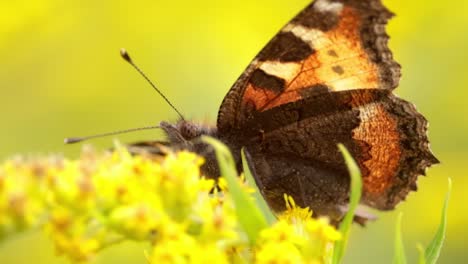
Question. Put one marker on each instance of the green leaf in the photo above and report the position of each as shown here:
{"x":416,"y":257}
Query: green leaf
{"x":249,"y":215}
{"x":433,"y":250}
{"x":356,"y":190}
{"x":259,"y":200}
{"x":422,"y":259}
{"x":400,"y":256}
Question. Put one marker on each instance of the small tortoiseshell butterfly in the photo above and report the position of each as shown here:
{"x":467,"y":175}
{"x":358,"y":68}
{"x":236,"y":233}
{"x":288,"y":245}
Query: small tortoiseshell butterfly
{"x":326,"y":78}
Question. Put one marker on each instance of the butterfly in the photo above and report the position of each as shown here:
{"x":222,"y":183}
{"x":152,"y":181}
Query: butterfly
{"x":326,"y":78}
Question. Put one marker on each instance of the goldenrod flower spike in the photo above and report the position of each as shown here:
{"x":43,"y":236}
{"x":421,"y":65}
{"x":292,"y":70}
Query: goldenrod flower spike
{"x":91,"y":203}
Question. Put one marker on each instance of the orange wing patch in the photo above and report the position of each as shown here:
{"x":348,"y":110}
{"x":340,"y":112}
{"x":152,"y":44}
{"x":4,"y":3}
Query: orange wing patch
{"x":339,"y":62}
{"x":380,"y":131}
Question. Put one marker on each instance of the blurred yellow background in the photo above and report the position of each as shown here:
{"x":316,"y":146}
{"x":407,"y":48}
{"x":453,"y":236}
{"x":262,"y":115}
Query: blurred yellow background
{"x":61,"y":75}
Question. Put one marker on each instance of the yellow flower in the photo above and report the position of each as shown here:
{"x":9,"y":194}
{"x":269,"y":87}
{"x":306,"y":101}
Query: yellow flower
{"x":293,"y":213}
{"x":71,"y":234}
{"x":282,"y":252}
{"x":21,"y":193}
{"x":141,"y":222}
{"x":174,"y":245}
{"x":281,"y":231}
{"x":316,"y":235}
{"x":78,"y":249}
{"x":101,"y":199}
{"x":215,"y":220}
{"x":322,"y":227}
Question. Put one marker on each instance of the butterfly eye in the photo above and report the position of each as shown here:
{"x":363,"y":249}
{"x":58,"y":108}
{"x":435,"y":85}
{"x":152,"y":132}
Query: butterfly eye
{"x":189,"y":130}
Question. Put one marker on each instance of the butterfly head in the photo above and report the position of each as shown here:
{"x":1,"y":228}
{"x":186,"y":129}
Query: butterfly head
{"x":189,"y":130}
{"x":185,"y":131}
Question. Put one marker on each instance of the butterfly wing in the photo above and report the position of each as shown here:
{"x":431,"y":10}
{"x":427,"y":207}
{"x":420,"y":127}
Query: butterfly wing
{"x":332,"y":45}
{"x":297,"y":152}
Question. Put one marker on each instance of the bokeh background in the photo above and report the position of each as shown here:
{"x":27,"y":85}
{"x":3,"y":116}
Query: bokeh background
{"x":61,"y":75}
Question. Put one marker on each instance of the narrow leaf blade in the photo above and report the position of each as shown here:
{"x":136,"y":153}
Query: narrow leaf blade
{"x":422,"y":258}
{"x":433,"y":250}
{"x":355,"y":197}
{"x":400,"y":256}
{"x":250,"y":217}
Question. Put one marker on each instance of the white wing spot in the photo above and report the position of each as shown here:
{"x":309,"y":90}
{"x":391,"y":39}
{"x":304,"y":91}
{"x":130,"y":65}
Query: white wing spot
{"x":324,"y":6}
{"x":314,"y":37}
{"x":286,"y":71}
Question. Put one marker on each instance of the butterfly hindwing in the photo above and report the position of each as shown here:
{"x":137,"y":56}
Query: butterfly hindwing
{"x":297,"y":152}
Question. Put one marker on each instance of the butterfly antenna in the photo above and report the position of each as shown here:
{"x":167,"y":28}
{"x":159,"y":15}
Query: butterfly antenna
{"x":72,"y":140}
{"x":127,"y":58}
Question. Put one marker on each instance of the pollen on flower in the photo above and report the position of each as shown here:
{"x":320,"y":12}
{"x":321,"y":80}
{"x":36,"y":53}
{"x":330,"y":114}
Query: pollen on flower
{"x":294,"y":213}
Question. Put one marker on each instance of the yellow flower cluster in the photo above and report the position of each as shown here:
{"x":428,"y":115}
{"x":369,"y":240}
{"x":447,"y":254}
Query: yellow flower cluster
{"x":297,"y":238}
{"x":89,"y":204}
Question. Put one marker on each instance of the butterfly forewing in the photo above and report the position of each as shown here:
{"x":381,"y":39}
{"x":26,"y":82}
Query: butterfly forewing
{"x":329,"y":46}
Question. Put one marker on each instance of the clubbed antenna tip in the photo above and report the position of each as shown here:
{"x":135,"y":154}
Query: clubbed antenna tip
{"x":72,"y":140}
{"x":124,"y":55}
